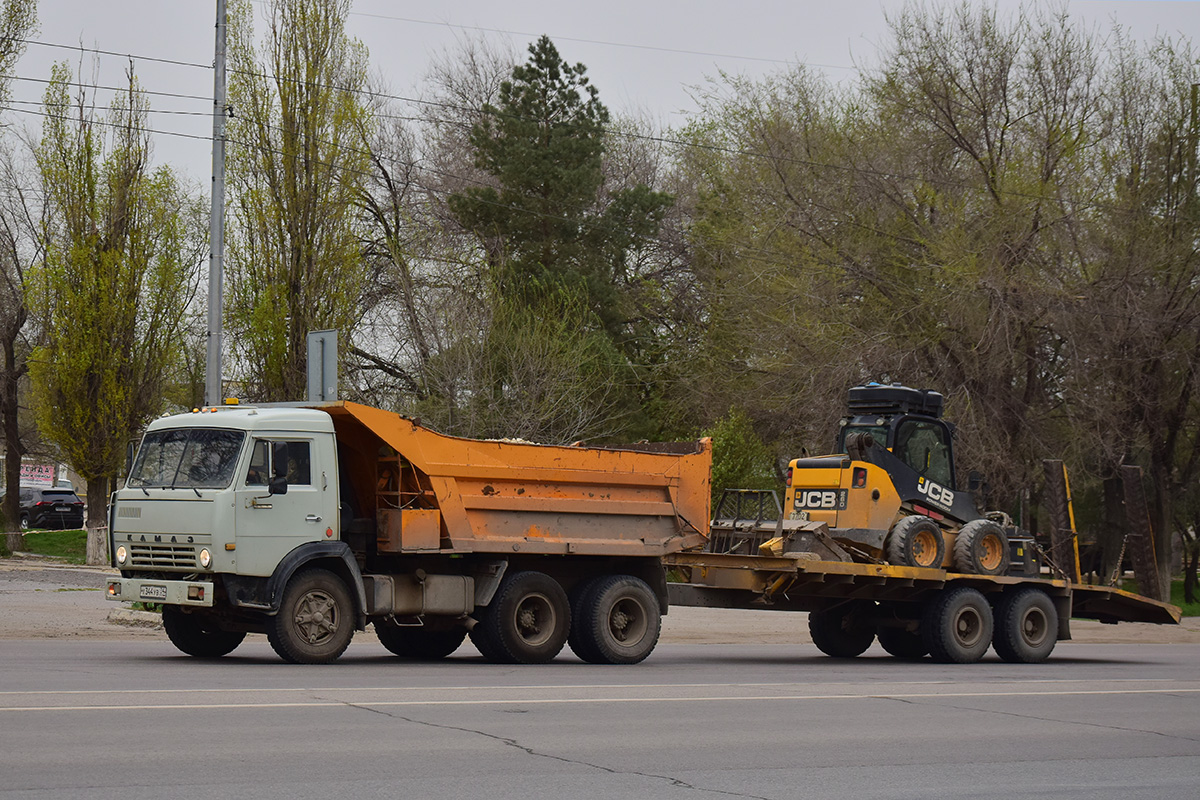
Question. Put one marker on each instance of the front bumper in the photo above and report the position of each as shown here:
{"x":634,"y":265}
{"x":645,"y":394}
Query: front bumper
{"x":176,"y":593}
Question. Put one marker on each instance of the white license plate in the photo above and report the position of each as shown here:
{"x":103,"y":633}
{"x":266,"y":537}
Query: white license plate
{"x":153,"y":593}
{"x":63,"y":509}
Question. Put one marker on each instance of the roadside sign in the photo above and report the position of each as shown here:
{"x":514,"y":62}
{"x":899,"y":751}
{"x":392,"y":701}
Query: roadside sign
{"x":37,"y":474}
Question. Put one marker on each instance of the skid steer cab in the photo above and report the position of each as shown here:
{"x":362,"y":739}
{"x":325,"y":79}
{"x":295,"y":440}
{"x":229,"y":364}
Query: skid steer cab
{"x":890,"y":494}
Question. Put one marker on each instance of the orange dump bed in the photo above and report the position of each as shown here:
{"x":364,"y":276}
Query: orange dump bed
{"x":435,"y":493}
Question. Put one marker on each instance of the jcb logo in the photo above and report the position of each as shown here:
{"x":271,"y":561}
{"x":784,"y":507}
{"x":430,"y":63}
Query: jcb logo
{"x":935,"y":492}
{"x":817,"y":499}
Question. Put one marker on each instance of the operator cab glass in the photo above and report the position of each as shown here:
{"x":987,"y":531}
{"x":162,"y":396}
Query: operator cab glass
{"x":924,"y":446}
{"x":878,"y":432}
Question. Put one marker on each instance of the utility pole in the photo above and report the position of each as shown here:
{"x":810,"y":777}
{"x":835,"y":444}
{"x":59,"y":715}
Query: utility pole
{"x":216,"y":220}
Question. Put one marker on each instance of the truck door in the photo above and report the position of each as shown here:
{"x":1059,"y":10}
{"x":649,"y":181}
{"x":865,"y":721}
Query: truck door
{"x":268,"y":526}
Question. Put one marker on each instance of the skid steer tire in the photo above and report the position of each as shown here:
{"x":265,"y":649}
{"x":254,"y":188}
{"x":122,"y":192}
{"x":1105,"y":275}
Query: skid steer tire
{"x":981,"y":548}
{"x":844,"y":631}
{"x":957,"y":626}
{"x":1026,"y":626}
{"x":915,"y":541}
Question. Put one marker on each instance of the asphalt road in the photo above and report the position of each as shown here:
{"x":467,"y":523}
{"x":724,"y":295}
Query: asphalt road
{"x":124,"y":719}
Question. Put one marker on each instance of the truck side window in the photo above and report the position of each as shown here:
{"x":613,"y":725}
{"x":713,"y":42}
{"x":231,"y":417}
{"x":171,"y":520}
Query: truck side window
{"x":299,"y":464}
{"x":260,"y":463}
{"x":923,"y":447}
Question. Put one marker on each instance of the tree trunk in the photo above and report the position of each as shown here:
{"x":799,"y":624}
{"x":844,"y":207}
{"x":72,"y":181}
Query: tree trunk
{"x":97,"y":520}
{"x":12,"y":440}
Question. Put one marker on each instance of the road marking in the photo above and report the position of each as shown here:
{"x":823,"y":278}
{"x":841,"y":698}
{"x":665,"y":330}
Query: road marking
{"x":590,"y":700}
{"x":557,"y":686}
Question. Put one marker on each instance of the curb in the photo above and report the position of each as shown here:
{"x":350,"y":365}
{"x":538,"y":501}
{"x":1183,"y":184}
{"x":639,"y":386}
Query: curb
{"x":134,"y":619}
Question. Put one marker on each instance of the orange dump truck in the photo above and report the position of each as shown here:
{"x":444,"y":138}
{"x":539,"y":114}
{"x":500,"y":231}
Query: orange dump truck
{"x":309,"y":523}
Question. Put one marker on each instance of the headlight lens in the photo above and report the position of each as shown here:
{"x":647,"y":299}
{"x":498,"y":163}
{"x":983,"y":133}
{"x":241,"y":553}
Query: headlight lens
{"x":205,"y":558}
{"x":122,"y":554}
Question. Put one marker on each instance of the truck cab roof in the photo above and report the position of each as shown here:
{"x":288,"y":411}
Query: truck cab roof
{"x":249,"y":418}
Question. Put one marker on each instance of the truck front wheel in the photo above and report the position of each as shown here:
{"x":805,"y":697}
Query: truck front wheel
{"x":526,"y":622}
{"x":844,"y":631}
{"x":315,"y":620}
{"x":192,"y":634}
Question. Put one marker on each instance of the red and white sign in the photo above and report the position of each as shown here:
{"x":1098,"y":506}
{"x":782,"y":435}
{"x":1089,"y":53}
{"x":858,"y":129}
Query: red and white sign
{"x":37,"y":474}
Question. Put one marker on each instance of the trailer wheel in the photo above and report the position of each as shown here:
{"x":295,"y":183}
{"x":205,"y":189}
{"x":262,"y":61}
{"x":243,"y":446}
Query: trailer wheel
{"x":1026,"y":626}
{"x":419,"y":643}
{"x":618,"y":621}
{"x":900,"y":643}
{"x":190,"y":634}
{"x":957,"y":626}
{"x":844,"y":631}
{"x":915,"y":541}
{"x":315,"y":620}
{"x":981,"y":548}
{"x":526,"y":622}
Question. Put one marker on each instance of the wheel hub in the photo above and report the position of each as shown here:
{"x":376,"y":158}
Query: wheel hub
{"x":316,"y":617}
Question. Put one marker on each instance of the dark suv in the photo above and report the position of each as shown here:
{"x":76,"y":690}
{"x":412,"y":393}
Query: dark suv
{"x":44,"y":507}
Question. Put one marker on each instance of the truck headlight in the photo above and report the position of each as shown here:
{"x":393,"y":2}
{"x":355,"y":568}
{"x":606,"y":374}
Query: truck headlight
{"x":205,"y":558}
{"x":122,"y":554}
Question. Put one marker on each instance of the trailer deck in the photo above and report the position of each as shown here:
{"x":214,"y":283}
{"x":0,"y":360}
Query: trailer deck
{"x":798,"y":583}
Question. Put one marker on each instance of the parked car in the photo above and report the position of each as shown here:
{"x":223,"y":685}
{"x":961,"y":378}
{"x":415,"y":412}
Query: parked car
{"x":45,"y":507}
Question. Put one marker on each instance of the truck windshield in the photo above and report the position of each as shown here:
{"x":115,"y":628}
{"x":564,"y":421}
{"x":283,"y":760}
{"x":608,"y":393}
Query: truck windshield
{"x":187,"y":458}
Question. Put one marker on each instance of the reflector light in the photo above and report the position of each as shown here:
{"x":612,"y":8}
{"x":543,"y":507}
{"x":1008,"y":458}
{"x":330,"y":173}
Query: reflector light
{"x":195,"y":593}
{"x":114,"y":589}
{"x":860,"y":477}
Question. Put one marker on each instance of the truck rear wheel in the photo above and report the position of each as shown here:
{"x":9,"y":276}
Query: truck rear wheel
{"x":899,"y":643}
{"x":617,"y":621}
{"x":981,"y":548}
{"x":194,"y":635}
{"x":419,"y":643}
{"x":1026,"y":626}
{"x":957,"y":626}
{"x":844,"y":631}
{"x":526,"y":622}
{"x":315,"y":621}
{"x":915,"y":541}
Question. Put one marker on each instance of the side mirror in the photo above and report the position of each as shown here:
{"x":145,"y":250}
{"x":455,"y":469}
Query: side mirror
{"x":277,"y":486}
{"x":975,"y":482}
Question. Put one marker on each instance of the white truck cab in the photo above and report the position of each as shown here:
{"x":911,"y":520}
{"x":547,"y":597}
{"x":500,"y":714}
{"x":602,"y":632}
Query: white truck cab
{"x":205,"y":485}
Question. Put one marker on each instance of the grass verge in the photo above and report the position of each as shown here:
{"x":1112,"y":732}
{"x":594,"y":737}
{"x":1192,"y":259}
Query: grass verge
{"x":71,"y":546}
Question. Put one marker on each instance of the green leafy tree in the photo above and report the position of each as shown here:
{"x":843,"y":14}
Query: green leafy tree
{"x":741,"y":460}
{"x":297,"y":164}
{"x":545,"y":224}
{"x":121,"y":244}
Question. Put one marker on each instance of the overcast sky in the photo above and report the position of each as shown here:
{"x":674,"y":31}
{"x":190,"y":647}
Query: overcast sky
{"x":641,"y":54}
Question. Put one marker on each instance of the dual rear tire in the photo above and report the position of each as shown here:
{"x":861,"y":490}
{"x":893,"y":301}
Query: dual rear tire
{"x":612,"y":619}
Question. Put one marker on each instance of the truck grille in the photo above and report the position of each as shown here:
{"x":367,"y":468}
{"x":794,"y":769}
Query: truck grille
{"x":162,"y":555}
